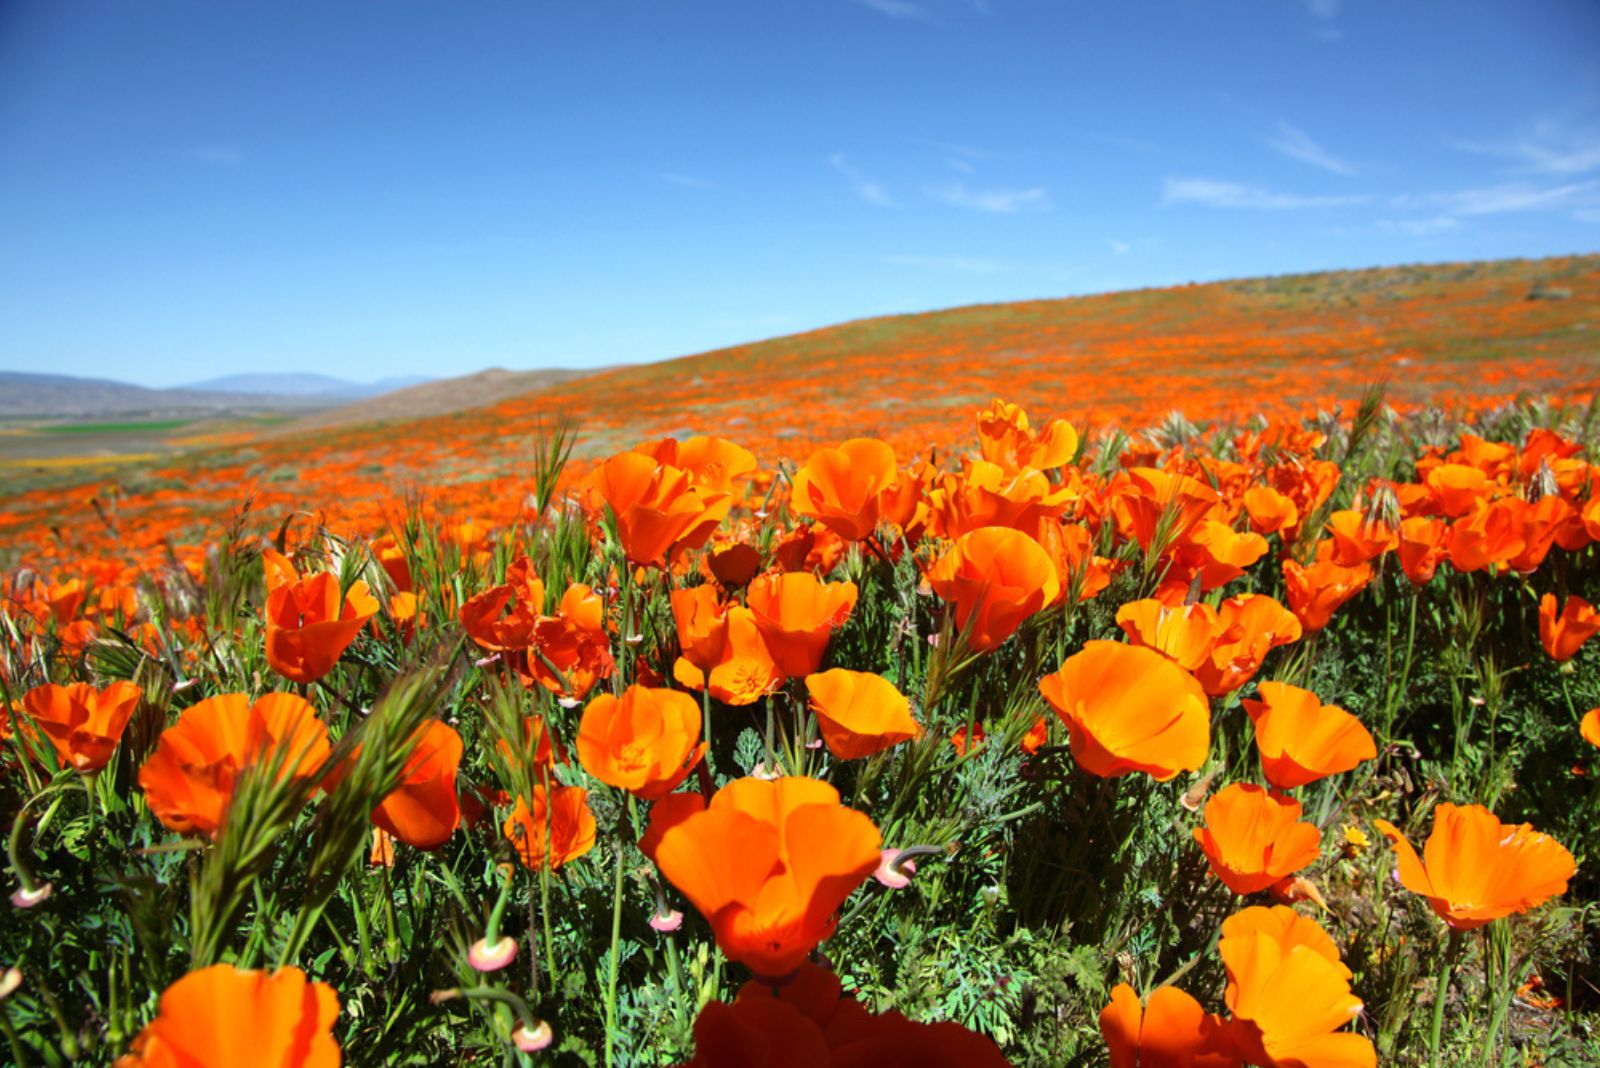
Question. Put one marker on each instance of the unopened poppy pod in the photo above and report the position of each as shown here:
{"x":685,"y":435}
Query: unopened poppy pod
{"x":1130,"y":709}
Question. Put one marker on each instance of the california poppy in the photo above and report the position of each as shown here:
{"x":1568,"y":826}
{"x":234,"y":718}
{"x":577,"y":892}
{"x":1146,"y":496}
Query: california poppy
{"x":839,"y":487}
{"x":1474,"y":869}
{"x":796,"y":613}
{"x":986,"y":495}
{"x":1288,"y":1000}
{"x":1564,"y":633}
{"x":1184,"y":635}
{"x":1590,"y":728}
{"x":1317,"y":590}
{"x":860,"y":713}
{"x":1302,"y":740}
{"x":571,"y":650}
{"x":1490,"y":535}
{"x":702,"y":622}
{"x":659,"y":511}
{"x":82,"y":723}
{"x":222,"y":1015}
{"x":1421,"y":546}
{"x":1271,"y":512}
{"x":423,"y":810}
{"x":188,"y":779}
{"x":768,"y":863}
{"x":1005,"y":438}
{"x":1170,"y":1030}
{"x":309,"y":624}
{"x":501,"y":619}
{"x":995,"y":578}
{"x":1253,"y":625}
{"x":1128,"y":709}
{"x":551,"y":833}
{"x":646,"y":741}
{"x":1254,"y":838}
{"x":1286,"y":927}
{"x":745,"y":671}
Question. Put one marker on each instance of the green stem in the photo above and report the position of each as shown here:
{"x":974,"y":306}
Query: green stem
{"x":1441,"y":988}
{"x":611,"y":981}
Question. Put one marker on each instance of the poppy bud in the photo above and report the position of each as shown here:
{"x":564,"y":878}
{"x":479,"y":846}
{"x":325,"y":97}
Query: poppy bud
{"x":486,"y":958}
{"x":532,"y":1039}
{"x":26,"y":897}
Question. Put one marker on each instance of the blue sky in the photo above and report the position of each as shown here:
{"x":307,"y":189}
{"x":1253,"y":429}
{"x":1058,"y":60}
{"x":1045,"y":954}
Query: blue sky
{"x":373,"y":189}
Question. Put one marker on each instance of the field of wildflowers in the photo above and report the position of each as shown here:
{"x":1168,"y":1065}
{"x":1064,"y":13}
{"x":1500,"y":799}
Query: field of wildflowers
{"x":891,"y":695}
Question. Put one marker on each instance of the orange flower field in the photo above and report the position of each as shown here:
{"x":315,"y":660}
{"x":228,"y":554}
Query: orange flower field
{"x":1195,"y":677}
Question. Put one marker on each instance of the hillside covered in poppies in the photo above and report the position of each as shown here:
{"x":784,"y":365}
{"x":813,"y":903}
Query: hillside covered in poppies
{"x":1189,"y":677}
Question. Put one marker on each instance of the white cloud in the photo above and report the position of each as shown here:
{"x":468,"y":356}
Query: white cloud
{"x":1547,"y":148}
{"x":1504,"y":198}
{"x":1213,"y":194}
{"x":895,"y":9}
{"x":1297,"y":144}
{"x":1419,"y":227}
{"x":868,"y":189}
{"x":993,"y":201}
{"x":1121,"y":248}
{"x":688,"y":181}
{"x":1323,"y":9}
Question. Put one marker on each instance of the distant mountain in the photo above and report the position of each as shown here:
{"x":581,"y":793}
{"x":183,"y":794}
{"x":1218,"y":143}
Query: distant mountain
{"x":304,"y":384}
{"x":439,"y":396}
{"x":27,"y":395}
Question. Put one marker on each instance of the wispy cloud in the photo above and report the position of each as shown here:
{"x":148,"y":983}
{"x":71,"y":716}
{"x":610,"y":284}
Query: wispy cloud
{"x":1505,"y":198}
{"x":895,"y":9}
{"x":217,"y":155}
{"x":1438,"y":224}
{"x":1548,"y":148}
{"x":1323,"y":9}
{"x":993,"y":201}
{"x":687,"y":181}
{"x":1121,"y":248}
{"x":867,"y":188}
{"x":963,"y":158}
{"x":1297,"y":144}
{"x":949,"y":264}
{"x":1213,"y":194}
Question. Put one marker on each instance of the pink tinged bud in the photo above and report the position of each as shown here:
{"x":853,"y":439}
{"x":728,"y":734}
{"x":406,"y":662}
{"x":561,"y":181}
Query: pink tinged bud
{"x":10,"y":979}
{"x":568,"y":702}
{"x":487,"y":660}
{"x":761,"y":771}
{"x":666,"y":922}
{"x":24,"y":898}
{"x":815,"y":743}
{"x":533,"y":1039}
{"x":894,"y":876}
{"x":486,"y":958}
{"x":186,"y":684}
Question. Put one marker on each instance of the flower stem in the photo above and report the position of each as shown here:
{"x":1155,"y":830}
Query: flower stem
{"x":611,"y":981}
{"x":1440,"y":990}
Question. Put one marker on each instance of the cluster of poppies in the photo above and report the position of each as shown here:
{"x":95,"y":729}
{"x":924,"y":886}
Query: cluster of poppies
{"x":1021,"y":531}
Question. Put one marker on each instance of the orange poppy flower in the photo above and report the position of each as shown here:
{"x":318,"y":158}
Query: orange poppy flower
{"x":554,"y":833}
{"x":1316,"y":591}
{"x":1005,"y":438}
{"x":82,"y":723}
{"x":1271,"y":512}
{"x":309,"y":624}
{"x":1358,"y":538}
{"x":796,"y":613}
{"x":1590,"y":728}
{"x":702,"y":621}
{"x":1302,"y":740}
{"x":1140,"y":497}
{"x":1422,"y":546}
{"x":1254,"y":838}
{"x":714,"y":463}
{"x":995,"y":578}
{"x":502,"y":618}
{"x":391,"y":556}
{"x":1216,"y":552}
{"x":840,"y":487}
{"x":1288,"y":998}
{"x":659,"y":510}
{"x":1184,"y":635}
{"x":1563,"y":634}
{"x":223,"y":1016}
{"x":1457,"y":489}
{"x":571,"y":650}
{"x":1130,"y":709}
{"x":768,"y":864}
{"x":188,"y":779}
{"x":541,"y":751}
{"x":985,"y":495}
{"x":1170,"y":1030}
{"x":746,"y":671}
{"x":860,"y":713}
{"x":1474,"y":869}
{"x":1286,"y":927}
{"x":1254,"y":624}
{"x":1492,"y":534}
{"x":423,"y":811}
{"x":646,"y":742}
